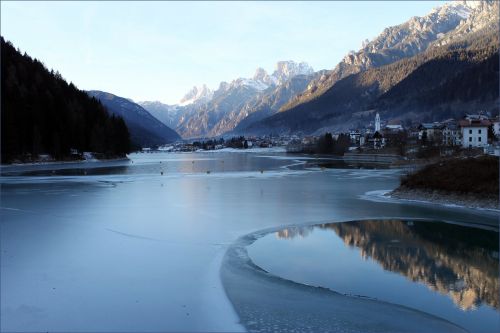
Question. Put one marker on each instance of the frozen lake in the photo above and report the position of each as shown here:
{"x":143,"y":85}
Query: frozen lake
{"x":119,"y":246}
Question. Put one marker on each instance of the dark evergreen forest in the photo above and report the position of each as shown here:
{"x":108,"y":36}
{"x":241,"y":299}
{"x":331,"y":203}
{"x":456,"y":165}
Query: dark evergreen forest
{"x":42,"y":113}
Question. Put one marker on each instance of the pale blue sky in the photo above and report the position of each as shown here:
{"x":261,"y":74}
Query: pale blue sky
{"x":159,"y":50}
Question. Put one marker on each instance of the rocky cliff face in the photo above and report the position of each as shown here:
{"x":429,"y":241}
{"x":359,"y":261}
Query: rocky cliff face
{"x":269,"y":104}
{"x":394,"y":43}
{"x":484,"y":15}
{"x":200,"y":94}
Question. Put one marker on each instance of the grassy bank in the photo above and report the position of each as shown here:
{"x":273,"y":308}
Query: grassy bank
{"x":461,"y":176}
{"x":470,"y":182}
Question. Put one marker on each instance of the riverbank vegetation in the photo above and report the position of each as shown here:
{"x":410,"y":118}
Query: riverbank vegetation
{"x":325,"y":144}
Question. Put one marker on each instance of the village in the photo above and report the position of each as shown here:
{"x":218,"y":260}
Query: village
{"x":474,"y":134}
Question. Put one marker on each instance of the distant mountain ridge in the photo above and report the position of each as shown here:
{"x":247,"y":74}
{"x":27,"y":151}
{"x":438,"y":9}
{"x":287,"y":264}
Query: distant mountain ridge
{"x":394,"y":43}
{"x":145,"y":130}
{"x":167,"y":114}
{"x":203,"y":112}
{"x":446,"y":81}
{"x":197,"y":95}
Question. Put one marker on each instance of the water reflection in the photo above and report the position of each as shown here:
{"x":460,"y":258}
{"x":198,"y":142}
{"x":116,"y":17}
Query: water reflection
{"x":458,"y":261}
{"x":293,"y":232}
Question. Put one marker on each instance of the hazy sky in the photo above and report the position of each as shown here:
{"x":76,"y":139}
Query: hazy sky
{"x":159,"y":50}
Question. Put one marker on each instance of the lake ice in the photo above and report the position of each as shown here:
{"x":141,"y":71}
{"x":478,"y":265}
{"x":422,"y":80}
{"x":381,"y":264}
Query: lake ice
{"x":120,"y":247}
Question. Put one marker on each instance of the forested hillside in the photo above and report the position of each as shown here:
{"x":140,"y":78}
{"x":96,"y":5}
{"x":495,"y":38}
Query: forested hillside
{"x":145,"y":130}
{"x":42,"y":113}
{"x":446,"y":81}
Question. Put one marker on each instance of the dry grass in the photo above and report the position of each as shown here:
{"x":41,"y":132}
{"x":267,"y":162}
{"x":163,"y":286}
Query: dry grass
{"x":468,"y":175}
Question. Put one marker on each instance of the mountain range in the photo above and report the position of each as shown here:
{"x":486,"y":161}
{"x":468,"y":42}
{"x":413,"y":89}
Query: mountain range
{"x":202,"y":112}
{"x":394,"y":43}
{"x":454,"y":74}
{"x":295,"y":98}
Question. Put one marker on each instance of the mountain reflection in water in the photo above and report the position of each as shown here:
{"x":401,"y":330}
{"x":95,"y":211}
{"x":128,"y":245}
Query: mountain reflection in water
{"x":454,"y":260}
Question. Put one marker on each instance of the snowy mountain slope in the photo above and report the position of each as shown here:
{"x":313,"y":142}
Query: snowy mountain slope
{"x":167,"y":114}
{"x":200,"y":94}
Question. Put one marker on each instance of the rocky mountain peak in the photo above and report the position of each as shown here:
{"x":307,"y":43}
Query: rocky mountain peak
{"x":260,"y":74}
{"x":261,"y":80}
{"x":223,"y":86}
{"x":285,"y":70}
{"x":483,"y":15}
{"x":474,"y":4}
{"x":196,"y":95}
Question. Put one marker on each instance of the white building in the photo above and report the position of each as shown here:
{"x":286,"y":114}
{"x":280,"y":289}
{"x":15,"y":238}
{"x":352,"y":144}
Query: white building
{"x":474,"y":132}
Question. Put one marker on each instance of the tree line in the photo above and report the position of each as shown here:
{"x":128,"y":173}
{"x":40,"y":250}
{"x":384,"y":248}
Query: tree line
{"x":42,"y":113}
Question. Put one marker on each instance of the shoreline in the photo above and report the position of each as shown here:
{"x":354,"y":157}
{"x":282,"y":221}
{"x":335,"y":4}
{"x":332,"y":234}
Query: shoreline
{"x":473,"y":201}
{"x":6,"y":169}
{"x":55,"y":162}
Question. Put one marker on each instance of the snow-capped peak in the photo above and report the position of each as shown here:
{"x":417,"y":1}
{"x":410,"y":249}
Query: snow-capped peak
{"x":471,"y":4}
{"x":262,"y":76}
{"x":481,"y":14}
{"x":460,"y":8}
{"x":285,"y":70}
{"x":255,"y":84}
{"x":197,"y":94}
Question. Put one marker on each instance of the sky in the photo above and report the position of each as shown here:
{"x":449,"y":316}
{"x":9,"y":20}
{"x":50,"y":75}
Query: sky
{"x":157,"y":51}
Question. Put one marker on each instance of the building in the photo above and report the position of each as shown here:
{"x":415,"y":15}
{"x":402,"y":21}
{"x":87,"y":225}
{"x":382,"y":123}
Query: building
{"x":474,"y":132}
{"x":394,"y":126}
{"x":430,"y":131}
{"x":355,"y":136}
{"x":452,"y":135}
{"x":478,"y":116}
{"x":378,"y":140}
